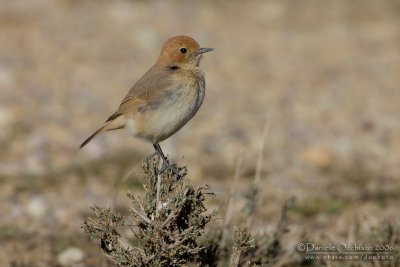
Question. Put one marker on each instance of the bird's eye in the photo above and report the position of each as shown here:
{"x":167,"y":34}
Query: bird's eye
{"x":183,"y":50}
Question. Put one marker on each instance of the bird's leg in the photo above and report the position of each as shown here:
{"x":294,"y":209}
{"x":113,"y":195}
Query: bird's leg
{"x":166,"y":164}
{"x":159,"y":151}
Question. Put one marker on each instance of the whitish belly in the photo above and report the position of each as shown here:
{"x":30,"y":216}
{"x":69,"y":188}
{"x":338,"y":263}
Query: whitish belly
{"x":171,"y":115}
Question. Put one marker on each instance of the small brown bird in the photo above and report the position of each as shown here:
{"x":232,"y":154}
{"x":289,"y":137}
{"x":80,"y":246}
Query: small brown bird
{"x":165,"y":98}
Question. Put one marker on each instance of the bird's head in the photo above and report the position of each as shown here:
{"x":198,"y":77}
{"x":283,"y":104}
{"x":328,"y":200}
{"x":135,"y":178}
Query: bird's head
{"x":181,"y":50}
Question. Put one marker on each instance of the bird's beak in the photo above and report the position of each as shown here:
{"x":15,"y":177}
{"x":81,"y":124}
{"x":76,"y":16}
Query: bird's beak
{"x":203,"y":50}
{"x":196,"y":55}
{"x":200,"y":51}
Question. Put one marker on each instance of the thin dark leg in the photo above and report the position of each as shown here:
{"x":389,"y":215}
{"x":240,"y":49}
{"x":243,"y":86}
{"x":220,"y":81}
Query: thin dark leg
{"x":166,"y":164}
{"x":159,"y":151}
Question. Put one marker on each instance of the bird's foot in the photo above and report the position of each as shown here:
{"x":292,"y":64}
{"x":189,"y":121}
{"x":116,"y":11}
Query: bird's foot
{"x":165,"y":164}
{"x":172,"y":167}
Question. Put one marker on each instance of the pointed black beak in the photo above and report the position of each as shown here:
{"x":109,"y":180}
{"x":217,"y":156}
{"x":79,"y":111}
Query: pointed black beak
{"x":195,"y":56}
{"x":202,"y":50}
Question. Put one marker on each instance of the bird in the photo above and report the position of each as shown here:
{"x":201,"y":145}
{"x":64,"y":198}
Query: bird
{"x":165,"y":98}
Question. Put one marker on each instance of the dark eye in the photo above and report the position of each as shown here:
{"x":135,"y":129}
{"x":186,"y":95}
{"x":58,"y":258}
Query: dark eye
{"x":183,"y":50}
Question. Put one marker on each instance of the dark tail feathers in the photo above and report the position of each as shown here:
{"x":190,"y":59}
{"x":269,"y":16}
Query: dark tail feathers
{"x":91,"y":137}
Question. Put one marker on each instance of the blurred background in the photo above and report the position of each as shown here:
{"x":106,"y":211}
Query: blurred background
{"x":308,"y":88}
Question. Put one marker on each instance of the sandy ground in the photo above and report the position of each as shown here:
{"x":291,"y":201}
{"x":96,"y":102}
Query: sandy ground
{"x":320,"y":77}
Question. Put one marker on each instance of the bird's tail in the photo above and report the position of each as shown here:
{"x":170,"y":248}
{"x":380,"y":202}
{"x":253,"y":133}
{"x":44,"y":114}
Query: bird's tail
{"x":117,"y":123}
{"x":91,"y":137}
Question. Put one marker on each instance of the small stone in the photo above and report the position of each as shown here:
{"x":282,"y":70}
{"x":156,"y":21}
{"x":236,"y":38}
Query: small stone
{"x":70,"y":256}
{"x":319,"y":156}
{"x":36,"y":207}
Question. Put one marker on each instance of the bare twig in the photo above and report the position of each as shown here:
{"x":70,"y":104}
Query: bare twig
{"x":280,"y":227}
{"x":260,"y":157}
{"x":235,"y":257}
{"x":169,"y":219}
{"x":139,"y":202}
{"x":141,"y":215}
{"x":158,"y":201}
{"x":243,"y":242}
{"x":228,"y":212}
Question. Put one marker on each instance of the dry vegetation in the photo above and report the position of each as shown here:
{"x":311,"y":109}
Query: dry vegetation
{"x":298,"y":137}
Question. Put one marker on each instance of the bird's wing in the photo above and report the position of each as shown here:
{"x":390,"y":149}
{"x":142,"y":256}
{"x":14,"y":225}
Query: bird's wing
{"x":146,"y":92}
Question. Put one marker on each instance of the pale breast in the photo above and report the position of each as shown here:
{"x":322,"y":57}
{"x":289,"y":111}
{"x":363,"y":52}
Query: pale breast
{"x":174,"y":110}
